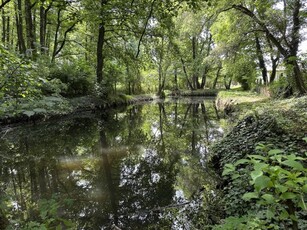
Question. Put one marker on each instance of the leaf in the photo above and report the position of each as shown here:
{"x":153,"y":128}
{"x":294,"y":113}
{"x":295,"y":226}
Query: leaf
{"x":28,"y":113}
{"x":260,"y":166}
{"x":270,"y":199}
{"x":40,"y":110}
{"x":294,"y":164}
{"x":281,"y":188}
{"x":288,"y":196}
{"x":257,"y":157}
{"x":255,"y":174}
{"x":275,"y":151}
{"x":250,"y":195}
{"x":260,"y":147}
{"x":242,"y":161}
{"x":284,"y":214}
{"x":262,"y":182}
{"x":304,"y":188}
{"x":269,"y":214}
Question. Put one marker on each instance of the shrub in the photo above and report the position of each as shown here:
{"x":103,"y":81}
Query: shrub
{"x":78,"y":77}
{"x":277,"y":188}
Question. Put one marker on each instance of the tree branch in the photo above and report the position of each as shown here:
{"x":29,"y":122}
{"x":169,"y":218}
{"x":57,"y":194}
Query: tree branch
{"x":249,"y":13}
{"x":146,"y":24}
{"x":64,"y":39}
{"x":4,"y":3}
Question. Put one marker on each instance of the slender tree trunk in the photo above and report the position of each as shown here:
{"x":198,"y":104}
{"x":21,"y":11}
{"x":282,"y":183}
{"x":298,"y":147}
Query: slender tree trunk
{"x":30,"y":28}
{"x":204,"y":78}
{"x":217,"y":77}
{"x":56,"y":35}
{"x":3,"y":25}
{"x":19,"y":25}
{"x":8,"y":30}
{"x":100,"y":46}
{"x":194,"y":55}
{"x":43,"y":12}
{"x":176,"y":79}
{"x":100,"y":57}
{"x":274,"y":68}
{"x":42,"y":29}
{"x":295,"y":40}
{"x":227,"y":83}
{"x":186,"y":74}
{"x":261,"y":60}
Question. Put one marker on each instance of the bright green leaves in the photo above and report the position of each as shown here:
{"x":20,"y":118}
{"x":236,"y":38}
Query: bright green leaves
{"x":250,"y":195}
{"x":278,"y":180}
{"x":262,"y":182}
{"x":256,"y":174}
{"x":293,"y":164}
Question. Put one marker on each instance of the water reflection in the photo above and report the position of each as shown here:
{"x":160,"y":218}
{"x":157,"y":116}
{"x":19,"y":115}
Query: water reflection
{"x":139,"y":168}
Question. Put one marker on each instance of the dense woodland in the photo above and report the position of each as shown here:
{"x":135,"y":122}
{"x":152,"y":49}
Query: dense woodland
{"x":72,"y":48}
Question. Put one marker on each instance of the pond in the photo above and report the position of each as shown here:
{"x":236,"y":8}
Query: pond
{"x":138,"y":167}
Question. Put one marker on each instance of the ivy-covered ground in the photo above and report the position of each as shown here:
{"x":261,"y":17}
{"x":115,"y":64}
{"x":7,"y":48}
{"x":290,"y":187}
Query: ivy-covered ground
{"x":267,"y":190}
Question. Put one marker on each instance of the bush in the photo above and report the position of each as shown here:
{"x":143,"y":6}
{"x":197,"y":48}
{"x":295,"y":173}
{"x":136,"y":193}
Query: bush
{"x":276,"y":189}
{"x":281,"y":88}
{"x":78,"y":77}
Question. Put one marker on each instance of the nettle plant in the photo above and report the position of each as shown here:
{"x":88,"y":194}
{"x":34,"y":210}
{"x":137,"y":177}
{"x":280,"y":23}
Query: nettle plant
{"x":278,"y":183}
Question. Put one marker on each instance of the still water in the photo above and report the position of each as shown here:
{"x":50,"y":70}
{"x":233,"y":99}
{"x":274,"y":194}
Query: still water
{"x":139,"y":167}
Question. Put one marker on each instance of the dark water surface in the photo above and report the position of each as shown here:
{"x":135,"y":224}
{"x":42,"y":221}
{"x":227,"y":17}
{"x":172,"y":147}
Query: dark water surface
{"x":141,"y":167}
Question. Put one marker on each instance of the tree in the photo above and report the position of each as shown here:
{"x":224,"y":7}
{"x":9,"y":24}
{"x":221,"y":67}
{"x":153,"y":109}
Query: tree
{"x":285,"y":36}
{"x":193,"y":45}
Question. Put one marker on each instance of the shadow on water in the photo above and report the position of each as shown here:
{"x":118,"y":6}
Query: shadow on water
{"x":143,"y":167}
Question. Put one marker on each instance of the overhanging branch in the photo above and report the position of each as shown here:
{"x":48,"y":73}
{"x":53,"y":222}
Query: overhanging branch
{"x":145,"y":27}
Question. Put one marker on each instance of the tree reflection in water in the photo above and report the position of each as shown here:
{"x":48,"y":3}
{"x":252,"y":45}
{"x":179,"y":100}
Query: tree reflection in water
{"x":141,"y":167}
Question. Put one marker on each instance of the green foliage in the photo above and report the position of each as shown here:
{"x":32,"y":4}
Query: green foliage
{"x":251,"y":222}
{"x":281,"y":88}
{"x":277,"y":185}
{"x":45,"y":106}
{"x":16,"y":77}
{"x":77,"y":76}
{"x":44,"y":215}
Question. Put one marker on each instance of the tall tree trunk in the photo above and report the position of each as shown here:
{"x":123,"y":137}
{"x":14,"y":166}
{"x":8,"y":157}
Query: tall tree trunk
{"x":204,"y":77}
{"x":100,"y":45}
{"x":19,"y":25}
{"x":295,"y":40}
{"x":30,"y":29}
{"x":42,"y":29}
{"x":100,"y":57}
{"x":227,"y":83}
{"x":261,"y":60}
{"x":8,"y":30}
{"x":274,"y":61}
{"x":194,"y":55}
{"x":217,"y":76}
{"x":43,"y":12}
{"x":274,"y":68}
{"x":176,"y":78}
{"x":3,"y":25}
{"x":56,"y":35}
{"x":186,"y":74}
